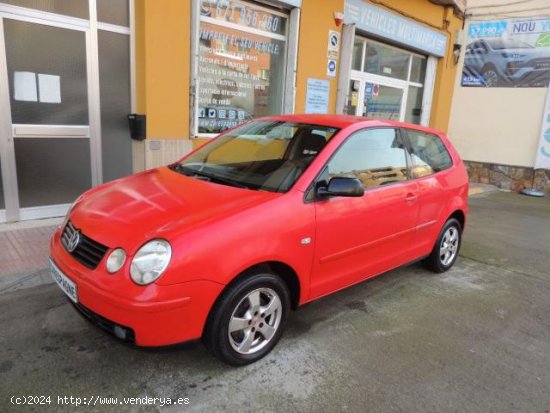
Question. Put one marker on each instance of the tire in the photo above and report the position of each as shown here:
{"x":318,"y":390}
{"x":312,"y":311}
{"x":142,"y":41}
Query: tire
{"x":490,"y":76}
{"x":446,"y":248}
{"x":255,"y":308}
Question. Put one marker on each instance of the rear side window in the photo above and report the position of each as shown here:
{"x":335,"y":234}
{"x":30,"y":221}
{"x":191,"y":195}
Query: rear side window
{"x":429,"y":154}
{"x":374,"y":156}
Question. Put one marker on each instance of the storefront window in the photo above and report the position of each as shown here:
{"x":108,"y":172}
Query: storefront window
{"x":418,"y":69}
{"x":242,"y":55}
{"x":357,"y":54}
{"x":386,"y":82}
{"x":386,"y":61}
{"x":413,"y":111}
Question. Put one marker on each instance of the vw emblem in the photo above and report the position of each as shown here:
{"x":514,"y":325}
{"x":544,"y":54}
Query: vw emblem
{"x":73,"y":241}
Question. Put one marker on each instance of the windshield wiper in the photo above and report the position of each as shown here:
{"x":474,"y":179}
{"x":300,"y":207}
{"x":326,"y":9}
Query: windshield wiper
{"x":214,"y":178}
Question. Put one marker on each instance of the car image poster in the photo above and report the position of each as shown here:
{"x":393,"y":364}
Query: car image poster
{"x":507,"y":53}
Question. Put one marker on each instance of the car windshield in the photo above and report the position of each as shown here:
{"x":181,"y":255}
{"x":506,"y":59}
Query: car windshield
{"x":262,"y":155}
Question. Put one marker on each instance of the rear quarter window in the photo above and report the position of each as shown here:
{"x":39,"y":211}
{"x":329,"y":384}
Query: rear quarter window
{"x":429,"y":154}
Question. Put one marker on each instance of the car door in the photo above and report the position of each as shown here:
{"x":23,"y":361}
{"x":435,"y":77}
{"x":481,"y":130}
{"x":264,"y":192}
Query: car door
{"x":359,"y":237}
{"x":430,"y":168}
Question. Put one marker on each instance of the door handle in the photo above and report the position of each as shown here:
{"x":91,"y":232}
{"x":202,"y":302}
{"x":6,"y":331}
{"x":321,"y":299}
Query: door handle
{"x":410,"y":197}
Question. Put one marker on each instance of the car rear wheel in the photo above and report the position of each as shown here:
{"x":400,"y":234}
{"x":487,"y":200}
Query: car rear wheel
{"x":248,"y":319}
{"x":490,"y":76}
{"x":447,"y":246}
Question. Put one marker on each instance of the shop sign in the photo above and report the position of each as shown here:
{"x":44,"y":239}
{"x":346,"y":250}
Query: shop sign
{"x":243,"y":14}
{"x":333,"y":48}
{"x":507,"y":53}
{"x":384,"y":24}
{"x":317,"y":95}
{"x":331,"y":68}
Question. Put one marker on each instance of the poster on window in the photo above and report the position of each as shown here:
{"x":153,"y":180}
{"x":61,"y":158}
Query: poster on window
{"x":507,"y":53}
{"x":242,"y":49}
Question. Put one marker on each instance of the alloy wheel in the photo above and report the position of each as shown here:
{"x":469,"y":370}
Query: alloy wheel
{"x":255,"y":320}
{"x":449,"y":246}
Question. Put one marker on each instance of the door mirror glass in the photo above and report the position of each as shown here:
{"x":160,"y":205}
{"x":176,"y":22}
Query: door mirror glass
{"x":342,"y":186}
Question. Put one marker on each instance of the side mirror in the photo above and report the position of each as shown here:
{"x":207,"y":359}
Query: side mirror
{"x":342,"y":186}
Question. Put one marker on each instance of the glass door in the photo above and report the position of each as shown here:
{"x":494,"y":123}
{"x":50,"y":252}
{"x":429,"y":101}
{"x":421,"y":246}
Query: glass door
{"x":46,"y":127}
{"x":382,"y":102}
{"x":47,"y":77}
{"x":65,"y":93}
{"x":373,"y":98}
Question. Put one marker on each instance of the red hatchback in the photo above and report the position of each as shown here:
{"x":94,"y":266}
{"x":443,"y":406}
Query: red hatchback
{"x":268,"y":216}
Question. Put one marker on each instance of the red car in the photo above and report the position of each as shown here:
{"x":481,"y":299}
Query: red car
{"x":275,"y":213}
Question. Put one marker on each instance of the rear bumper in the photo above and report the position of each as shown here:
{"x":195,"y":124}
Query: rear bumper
{"x":150,"y":315}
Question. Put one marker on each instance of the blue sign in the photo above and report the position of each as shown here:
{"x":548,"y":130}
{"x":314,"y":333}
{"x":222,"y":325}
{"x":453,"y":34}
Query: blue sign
{"x":374,"y":20}
{"x":317,"y":95}
{"x":369,"y":90}
{"x":487,"y":29}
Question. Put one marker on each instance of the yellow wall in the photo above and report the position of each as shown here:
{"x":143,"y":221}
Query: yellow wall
{"x":497,"y":125}
{"x":163,"y":53}
{"x":162,"y":70}
{"x":315,"y":21}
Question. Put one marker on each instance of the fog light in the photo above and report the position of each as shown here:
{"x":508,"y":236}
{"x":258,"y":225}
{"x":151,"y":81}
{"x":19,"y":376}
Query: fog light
{"x":120,"y":332}
{"x":116,"y":260}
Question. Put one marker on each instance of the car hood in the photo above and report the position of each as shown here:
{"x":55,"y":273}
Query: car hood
{"x":157,"y":203}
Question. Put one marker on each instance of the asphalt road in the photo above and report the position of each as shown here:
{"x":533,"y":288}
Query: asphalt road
{"x":475,"y":339}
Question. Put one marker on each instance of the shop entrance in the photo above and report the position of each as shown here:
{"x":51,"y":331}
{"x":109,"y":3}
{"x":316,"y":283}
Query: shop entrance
{"x":56,"y":139}
{"x":377,"y":99}
{"x":387,"y":82}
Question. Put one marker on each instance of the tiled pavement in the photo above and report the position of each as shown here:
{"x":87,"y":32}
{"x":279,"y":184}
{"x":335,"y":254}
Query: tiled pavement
{"x":24,"y":251}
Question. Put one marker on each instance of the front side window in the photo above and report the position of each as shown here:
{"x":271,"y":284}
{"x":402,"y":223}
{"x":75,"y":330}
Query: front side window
{"x":260,"y":155}
{"x":429,"y":154}
{"x":374,"y":156}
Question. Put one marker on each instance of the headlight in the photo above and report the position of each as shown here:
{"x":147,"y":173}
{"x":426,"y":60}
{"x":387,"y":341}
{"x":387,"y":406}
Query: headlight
{"x":150,"y":261}
{"x":116,"y":260}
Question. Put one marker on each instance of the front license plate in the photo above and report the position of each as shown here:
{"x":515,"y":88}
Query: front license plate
{"x":64,"y":282}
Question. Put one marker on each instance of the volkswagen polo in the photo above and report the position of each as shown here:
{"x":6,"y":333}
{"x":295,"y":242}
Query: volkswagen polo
{"x":224,"y":243}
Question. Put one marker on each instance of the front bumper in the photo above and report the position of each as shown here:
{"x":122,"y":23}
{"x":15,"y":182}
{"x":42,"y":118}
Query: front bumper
{"x":157,"y":315}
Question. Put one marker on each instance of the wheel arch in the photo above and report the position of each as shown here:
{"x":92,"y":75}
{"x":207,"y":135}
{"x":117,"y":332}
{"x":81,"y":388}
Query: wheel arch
{"x":460,"y":216}
{"x":282,"y":269}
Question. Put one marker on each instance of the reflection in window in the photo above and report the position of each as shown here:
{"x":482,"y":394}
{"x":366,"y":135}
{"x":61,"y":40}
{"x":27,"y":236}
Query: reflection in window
{"x":418,"y":69}
{"x":413,"y":112}
{"x":374,"y":156}
{"x":428,"y":153}
{"x":357,"y":54}
{"x":386,"y":61}
{"x":264,"y":155}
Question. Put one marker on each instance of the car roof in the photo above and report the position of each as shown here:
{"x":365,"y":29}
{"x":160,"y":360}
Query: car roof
{"x":344,"y":121}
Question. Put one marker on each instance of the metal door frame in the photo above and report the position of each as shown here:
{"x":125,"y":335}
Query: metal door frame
{"x":92,"y":131}
{"x":364,"y":78}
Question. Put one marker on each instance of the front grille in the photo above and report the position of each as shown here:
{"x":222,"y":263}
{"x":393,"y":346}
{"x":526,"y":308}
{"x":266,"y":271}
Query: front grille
{"x":542,"y":63}
{"x":87,"y":251}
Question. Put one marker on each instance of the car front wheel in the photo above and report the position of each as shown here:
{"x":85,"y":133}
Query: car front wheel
{"x":248,"y":319}
{"x":447,"y":246}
